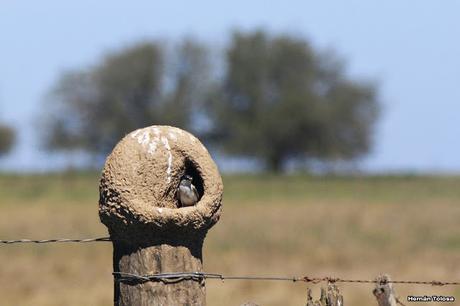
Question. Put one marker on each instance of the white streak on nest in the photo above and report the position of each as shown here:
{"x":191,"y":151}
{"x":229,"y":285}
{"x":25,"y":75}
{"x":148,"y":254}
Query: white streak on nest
{"x":153,"y":145}
{"x":160,"y":210}
{"x":144,"y":138}
{"x":165,"y":142}
{"x":156,"y":131}
{"x":172,"y":136}
{"x":134,"y":134}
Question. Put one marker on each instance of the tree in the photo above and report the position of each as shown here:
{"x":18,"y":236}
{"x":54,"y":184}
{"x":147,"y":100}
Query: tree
{"x":189,"y":73}
{"x":7,"y":138}
{"x":279,"y":99}
{"x":135,"y":87}
{"x":282,"y":99}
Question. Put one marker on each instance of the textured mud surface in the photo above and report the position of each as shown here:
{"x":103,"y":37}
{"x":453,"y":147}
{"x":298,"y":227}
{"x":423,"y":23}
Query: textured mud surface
{"x":139,"y":183}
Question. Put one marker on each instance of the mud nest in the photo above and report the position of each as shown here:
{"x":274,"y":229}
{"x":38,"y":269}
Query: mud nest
{"x":139,"y":183}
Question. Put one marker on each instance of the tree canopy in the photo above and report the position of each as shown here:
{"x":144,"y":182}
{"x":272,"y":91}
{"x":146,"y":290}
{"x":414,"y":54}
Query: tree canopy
{"x":135,"y":87}
{"x":282,"y":99}
{"x":277,"y":98}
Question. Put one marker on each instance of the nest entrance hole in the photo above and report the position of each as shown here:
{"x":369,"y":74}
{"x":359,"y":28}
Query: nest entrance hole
{"x":190,"y":169}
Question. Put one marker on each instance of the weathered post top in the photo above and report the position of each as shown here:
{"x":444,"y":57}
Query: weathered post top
{"x":150,"y":230}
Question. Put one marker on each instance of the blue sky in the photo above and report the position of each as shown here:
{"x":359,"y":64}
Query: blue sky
{"x":410,"y":47}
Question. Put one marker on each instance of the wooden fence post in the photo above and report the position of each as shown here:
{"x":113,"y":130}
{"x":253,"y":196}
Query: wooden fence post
{"x":384,"y":292}
{"x":151,"y":232}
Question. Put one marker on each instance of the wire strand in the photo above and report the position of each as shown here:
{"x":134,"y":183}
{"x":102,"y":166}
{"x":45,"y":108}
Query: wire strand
{"x":57,"y":240}
{"x":179,"y":276}
{"x":122,"y":276}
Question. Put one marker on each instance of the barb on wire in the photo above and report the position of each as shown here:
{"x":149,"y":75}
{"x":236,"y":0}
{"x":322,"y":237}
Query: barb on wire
{"x":199,"y":276}
{"x":316,"y":280}
{"x":57,"y":240}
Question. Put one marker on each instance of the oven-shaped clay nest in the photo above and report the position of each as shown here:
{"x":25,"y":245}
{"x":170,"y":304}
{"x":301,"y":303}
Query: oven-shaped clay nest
{"x":140,"y":180}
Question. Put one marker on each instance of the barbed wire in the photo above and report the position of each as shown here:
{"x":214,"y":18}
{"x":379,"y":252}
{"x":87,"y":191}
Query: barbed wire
{"x":57,"y":240}
{"x":179,"y":276}
{"x":199,"y":276}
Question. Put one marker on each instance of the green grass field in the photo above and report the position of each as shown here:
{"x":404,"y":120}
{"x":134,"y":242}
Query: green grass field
{"x":408,"y":227}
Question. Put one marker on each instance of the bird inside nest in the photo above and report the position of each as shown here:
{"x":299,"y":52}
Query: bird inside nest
{"x":187,"y":193}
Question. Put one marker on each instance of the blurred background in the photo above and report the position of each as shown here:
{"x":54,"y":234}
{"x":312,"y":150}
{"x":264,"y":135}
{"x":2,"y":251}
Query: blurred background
{"x":334,"y":121}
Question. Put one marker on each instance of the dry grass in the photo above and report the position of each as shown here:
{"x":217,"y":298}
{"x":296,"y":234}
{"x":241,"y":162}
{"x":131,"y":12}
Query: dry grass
{"x":344,"y":227}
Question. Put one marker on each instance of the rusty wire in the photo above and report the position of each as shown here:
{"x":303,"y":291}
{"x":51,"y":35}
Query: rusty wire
{"x":328,"y":279}
{"x":178,"y":276}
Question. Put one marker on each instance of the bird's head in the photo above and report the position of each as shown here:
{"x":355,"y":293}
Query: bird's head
{"x":187,"y":177}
